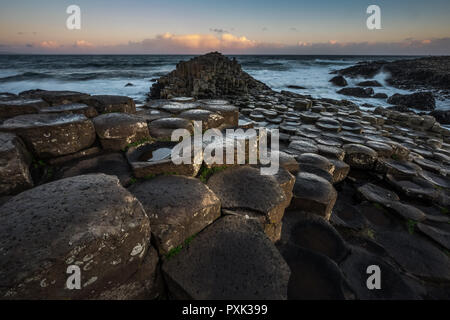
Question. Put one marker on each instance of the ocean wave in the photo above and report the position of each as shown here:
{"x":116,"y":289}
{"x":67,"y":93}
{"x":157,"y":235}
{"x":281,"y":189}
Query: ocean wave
{"x":26,"y":76}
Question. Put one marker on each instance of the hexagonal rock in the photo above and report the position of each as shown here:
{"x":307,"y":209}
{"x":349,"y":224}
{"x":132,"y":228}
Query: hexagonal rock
{"x":117,"y":130}
{"x":286,"y":161}
{"x":178,"y":207}
{"x":359,"y":156}
{"x":243,"y":189}
{"x":382,"y":149}
{"x":229,"y":113}
{"x":398,"y":168}
{"x":72,"y":108}
{"x":416,"y":255}
{"x":298,"y":147}
{"x":112,"y":164}
{"x":438,"y":234}
{"x":313,"y":194}
{"x":331,"y":152}
{"x":393,"y":285}
{"x":17,"y":107}
{"x":315,"y":234}
{"x":414,"y":187}
{"x":374,"y":193}
{"x":314,"y":277}
{"x":341,"y":170}
{"x":111,"y":103}
{"x":52,"y":135}
{"x":14,"y":164}
{"x":231,"y":259}
{"x":54,"y":97}
{"x":406,"y":211}
{"x":208,"y":118}
{"x":156,"y":158}
{"x":89,"y":221}
{"x":162,"y":128}
{"x":316,"y":160}
{"x":145,"y":284}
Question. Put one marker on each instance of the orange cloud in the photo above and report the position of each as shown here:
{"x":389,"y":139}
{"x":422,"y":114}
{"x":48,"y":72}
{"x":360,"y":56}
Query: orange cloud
{"x":49,"y":44}
{"x":202,"y":41}
{"x":83,"y":44}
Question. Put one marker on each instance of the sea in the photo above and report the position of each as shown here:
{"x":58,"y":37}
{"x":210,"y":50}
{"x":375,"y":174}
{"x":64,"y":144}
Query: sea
{"x":132,"y":75}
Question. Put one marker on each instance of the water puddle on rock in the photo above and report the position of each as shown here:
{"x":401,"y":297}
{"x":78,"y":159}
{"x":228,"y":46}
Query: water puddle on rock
{"x":156,"y":155}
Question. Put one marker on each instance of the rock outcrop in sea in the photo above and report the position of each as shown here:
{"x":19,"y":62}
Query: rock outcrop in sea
{"x":88,"y":183}
{"x":208,"y":76}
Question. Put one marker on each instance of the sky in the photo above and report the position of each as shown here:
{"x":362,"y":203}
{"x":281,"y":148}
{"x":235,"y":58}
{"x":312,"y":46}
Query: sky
{"x":412,"y":27}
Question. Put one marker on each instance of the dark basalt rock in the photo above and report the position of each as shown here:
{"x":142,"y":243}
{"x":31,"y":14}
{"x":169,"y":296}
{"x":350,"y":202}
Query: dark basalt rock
{"x":111,"y":164}
{"x":208,"y":76}
{"x":178,"y":207}
{"x":416,"y":254}
{"x":369,"y":83}
{"x":314,"y":277}
{"x":51,"y":135}
{"x":54,"y":97}
{"x":418,"y":100}
{"x":442,"y":116}
{"x":110,"y":103}
{"x":407,"y":73}
{"x":393,"y":285}
{"x":243,"y":189}
{"x":357,"y":92}
{"x":14,"y":162}
{"x":313,"y":194}
{"x":88,"y":220}
{"x":117,"y":130}
{"x":231,"y":259}
{"x":72,"y":108}
{"x":339,"y":81}
{"x":17,"y":107}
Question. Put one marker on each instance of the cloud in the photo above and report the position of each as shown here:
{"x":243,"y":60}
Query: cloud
{"x":229,"y":43}
{"x":49,"y":44}
{"x":190,"y":43}
{"x":82,"y":44}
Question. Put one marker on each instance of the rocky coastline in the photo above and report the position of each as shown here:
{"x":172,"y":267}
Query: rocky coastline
{"x":88,"y":181}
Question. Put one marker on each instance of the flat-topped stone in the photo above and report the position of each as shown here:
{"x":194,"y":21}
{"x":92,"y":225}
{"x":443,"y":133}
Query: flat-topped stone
{"x":113,"y":164}
{"x":20,"y":106}
{"x":55,"y":97}
{"x":88,"y":220}
{"x":178,"y":208}
{"x":359,"y":156}
{"x":111,"y":103}
{"x":162,"y":128}
{"x":51,"y":135}
{"x":117,"y":130}
{"x":209,"y":119}
{"x":231,"y":259}
{"x":243,"y":189}
{"x":313,"y":194}
{"x":72,"y":108}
